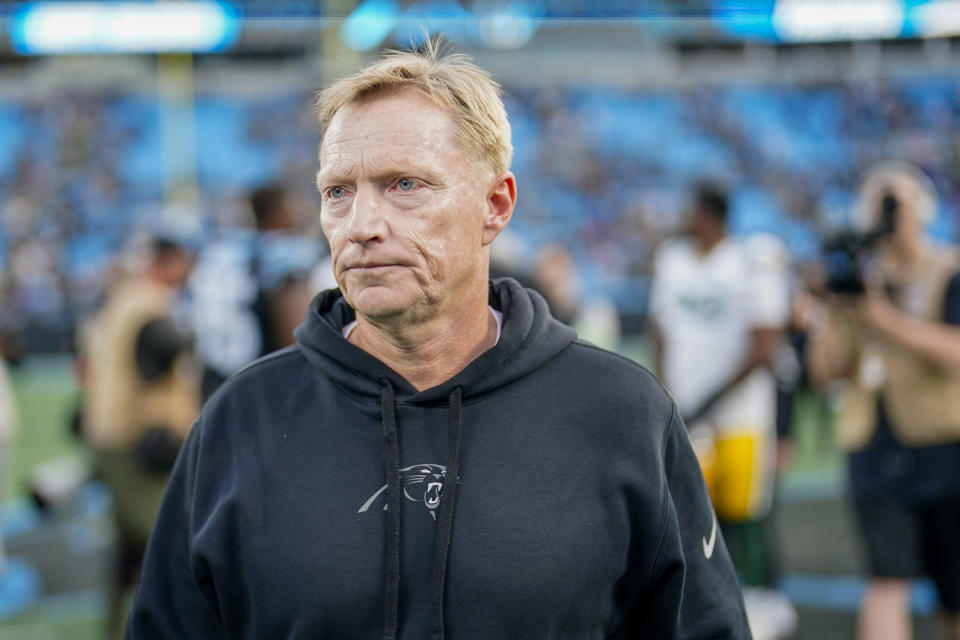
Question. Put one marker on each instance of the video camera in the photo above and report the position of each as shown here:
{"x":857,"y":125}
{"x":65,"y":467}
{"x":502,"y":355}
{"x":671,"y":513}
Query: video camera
{"x":847,"y":255}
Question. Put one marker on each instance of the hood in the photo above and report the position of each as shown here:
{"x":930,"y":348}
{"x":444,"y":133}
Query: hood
{"x":529,"y":338}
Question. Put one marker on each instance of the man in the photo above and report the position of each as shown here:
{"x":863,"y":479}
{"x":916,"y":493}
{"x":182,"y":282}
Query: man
{"x":897,"y":345}
{"x":719,"y":306}
{"x":438,"y":457}
{"x":140,"y":399}
{"x":250,"y":290}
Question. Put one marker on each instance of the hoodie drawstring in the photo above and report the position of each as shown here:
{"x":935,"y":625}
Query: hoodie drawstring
{"x":391,"y":456}
{"x":444,"y":533}
{"x":445,"y":522}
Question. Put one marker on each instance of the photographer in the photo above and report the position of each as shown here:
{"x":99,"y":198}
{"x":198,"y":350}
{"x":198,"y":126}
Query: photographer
{"x":141,"y":396}
{"x":897,"y":345}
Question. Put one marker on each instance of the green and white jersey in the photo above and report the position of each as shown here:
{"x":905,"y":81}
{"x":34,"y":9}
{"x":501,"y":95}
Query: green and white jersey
{"x":705,"y":307}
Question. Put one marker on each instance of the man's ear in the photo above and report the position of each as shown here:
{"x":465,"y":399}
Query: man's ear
{"x":501,"y":199}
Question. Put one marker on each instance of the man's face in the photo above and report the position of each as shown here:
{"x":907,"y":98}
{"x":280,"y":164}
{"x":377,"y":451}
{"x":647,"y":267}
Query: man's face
{"x":403,"y":207}
{"x":908,"y":226}
{"x":282,"y":218}
{"x":175,"y":267}
{"x":698,"y":223}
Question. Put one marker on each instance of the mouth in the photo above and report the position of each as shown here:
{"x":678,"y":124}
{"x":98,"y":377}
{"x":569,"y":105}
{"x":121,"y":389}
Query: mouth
{"x":432,"y":495}
{"x":369,"y":268}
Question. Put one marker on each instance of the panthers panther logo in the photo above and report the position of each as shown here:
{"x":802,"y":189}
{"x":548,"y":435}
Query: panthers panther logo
{"x":422,"y":483}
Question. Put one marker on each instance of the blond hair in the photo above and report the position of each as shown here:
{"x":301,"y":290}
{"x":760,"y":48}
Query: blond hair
{"x":880,"y":177}
{"x":451,"y":80}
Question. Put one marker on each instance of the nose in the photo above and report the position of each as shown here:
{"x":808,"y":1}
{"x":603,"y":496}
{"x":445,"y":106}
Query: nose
{"x":367,"y":222}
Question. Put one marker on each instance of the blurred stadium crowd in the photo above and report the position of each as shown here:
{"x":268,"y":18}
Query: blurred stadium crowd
{"x":604,"y":172}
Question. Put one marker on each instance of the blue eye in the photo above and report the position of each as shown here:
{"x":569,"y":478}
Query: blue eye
{"x":406,"y":184}
{"x":335,"y":192}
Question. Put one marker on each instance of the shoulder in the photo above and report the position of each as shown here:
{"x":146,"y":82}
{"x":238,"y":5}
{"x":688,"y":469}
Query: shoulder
{"x":272,"y":370}
{"x":617,"y":383}
{"x":266,"y":387}
{"x":945,"y":252}
{"x":735,"y":255}
{"x":673,"y":255}
{"x":670,"y":251}
{"x":241,"y":418}
{"x":604,"y":358}
{"x":674,"y":260}
{"x":622,"y":407}
{"x":765,"y":251}
{"x":277,"y":362}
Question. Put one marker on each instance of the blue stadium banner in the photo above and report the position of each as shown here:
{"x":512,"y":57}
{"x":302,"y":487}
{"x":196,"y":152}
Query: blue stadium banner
{"x":56,"y":28}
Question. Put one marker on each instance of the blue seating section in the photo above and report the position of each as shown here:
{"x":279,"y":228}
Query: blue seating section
{"x":602,"y":171}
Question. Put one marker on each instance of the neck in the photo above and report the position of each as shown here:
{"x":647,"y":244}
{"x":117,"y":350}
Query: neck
{"x":430,"y":352}
{"x":708,"y":242}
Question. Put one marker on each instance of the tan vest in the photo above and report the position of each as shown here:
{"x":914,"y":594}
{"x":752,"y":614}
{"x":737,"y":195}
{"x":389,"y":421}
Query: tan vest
{"x":922,"y":398}
{"x":120,"y":405}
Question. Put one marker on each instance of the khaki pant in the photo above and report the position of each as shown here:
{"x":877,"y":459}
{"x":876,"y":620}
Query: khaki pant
{"x":137,"y":492}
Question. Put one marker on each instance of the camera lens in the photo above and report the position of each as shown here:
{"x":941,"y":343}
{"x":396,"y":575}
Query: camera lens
{"x":888,"y":213}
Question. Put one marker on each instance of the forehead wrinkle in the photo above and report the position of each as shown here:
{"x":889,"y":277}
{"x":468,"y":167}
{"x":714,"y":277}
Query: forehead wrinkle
{"x":376,"y":155}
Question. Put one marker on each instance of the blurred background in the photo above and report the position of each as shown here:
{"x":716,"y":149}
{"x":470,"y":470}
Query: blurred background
{"x":122,"y":122}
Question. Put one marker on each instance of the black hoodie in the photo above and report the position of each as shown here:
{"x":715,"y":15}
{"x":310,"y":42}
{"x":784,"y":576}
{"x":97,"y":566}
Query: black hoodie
{"x":307,"y":500}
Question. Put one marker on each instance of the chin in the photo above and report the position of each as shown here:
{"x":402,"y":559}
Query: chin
{"x":380,"y":302}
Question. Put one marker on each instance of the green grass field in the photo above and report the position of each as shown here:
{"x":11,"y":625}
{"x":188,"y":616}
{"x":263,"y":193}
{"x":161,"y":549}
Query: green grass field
{"x":46,"y":395}
{"x":55,"y":620}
